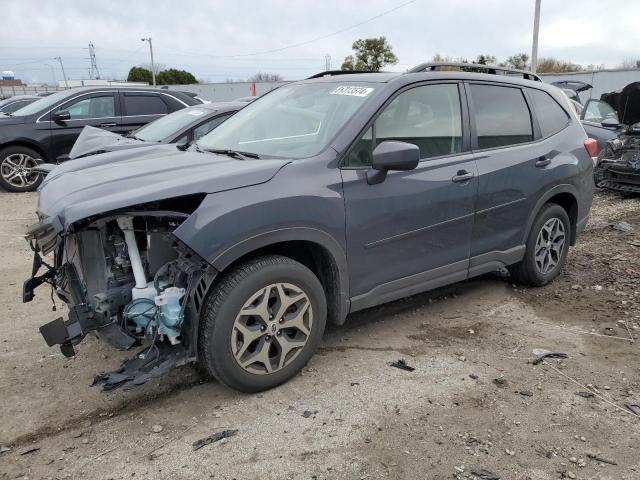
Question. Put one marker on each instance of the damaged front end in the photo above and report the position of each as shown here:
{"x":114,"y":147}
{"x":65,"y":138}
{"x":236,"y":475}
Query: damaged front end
{"x":125,"y":277}
{"x":618,"y":166}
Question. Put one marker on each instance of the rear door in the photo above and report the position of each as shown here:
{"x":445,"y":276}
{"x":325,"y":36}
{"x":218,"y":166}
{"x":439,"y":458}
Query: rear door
{"x":413,"y":230}
{"x":96,"y":109}
{"x":516,"y":157}
{"x":140,"y":108}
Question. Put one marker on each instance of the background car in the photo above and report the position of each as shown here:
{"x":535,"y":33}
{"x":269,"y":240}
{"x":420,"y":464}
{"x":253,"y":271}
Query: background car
{"x":182,"y":127}
{"x":16,"y":102}
{"x":45,"y":130}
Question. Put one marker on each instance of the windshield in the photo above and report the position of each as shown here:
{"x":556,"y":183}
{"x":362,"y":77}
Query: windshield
{"x":169,"y":124}
{"x":43,"y":103}
{"x":294,"y":121}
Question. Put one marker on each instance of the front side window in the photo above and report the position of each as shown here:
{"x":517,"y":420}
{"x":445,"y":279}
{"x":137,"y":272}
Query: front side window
{"x":551,"y":117}
{"x":428,"y":117}
{"x":144,"y":105}
{"x":12,"y":107}
{"x":502,"y":116}
{"x":293,"y":121}
{"x":93,"y":107}
{"x":597,"y":111}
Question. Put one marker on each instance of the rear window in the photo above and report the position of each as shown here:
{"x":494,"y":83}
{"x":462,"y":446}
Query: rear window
{"x":551,"y":117}
{"x":144,"y":105}
{"x":502,"y":116}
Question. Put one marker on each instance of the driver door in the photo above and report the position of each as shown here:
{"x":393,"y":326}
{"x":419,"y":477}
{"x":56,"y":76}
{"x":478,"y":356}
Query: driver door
{"x":412,"y":232}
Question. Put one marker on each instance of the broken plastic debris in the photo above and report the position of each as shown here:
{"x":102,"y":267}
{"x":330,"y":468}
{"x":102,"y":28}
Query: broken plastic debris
{"x":585,"y":394}
{"x":541,"y":354}
{"x":485,"y":474}
{"x":622,"y":227}
{"x":198,"y":444}
{"x":402,"y":365}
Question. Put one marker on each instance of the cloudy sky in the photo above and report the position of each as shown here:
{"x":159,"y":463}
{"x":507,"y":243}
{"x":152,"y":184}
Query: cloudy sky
{"x":220,"y":39}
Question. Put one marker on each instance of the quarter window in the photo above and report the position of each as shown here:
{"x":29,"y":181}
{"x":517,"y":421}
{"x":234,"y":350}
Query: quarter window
{"x":428,"y":117}
{"x":502,"y":116}
{"x":144,"y":105}
{"x":94,"y":107}
{"x":551,"y":117}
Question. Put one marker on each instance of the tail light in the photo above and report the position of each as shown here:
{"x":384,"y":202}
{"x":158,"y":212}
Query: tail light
{"x":591,"y":146}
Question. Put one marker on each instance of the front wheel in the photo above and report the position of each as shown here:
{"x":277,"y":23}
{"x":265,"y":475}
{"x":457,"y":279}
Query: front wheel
{"x":546,"y":247}
{"x":261,"y":323}
{"x":15,"y":169}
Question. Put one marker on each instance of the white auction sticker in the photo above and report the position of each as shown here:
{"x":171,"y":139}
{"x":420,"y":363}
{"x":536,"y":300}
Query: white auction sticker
{"x":196,"y":113}
{"x":353,"y":91}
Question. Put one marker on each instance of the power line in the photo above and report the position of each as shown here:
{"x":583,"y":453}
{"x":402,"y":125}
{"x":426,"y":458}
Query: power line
{"x":307,"y":42}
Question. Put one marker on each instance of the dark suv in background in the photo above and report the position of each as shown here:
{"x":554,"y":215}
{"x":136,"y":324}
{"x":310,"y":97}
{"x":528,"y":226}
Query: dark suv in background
{"x":321,"y":198}
{"x":45,"y":130}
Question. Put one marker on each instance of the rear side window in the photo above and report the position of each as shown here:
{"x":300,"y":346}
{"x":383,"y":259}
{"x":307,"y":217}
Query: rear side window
{"x":551,"y":117}
{"x":502,"y":116}
{"x":144,"y":105}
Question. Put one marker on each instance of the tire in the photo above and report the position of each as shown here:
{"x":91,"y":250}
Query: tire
{"x":228,"y":338}
{"x":531,"y":271}
{"x":15,"y":162}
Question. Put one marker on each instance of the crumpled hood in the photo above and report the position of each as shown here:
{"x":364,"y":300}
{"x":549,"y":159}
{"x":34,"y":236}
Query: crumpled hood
{"x":628,"y":106}
{"x":80,"y":193}
{"x":93,"y":140}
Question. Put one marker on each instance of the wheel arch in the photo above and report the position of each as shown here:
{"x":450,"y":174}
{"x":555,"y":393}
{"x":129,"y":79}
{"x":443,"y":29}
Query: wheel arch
{"x":27,"y":144}
{"x":565,"y":196}
{"x":315,"y":249}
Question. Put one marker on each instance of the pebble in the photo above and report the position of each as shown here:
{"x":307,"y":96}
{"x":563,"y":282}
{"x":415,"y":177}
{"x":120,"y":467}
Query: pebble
{"x":509,"y":452}
{"x":571,"y":475}
{"x":156,"y":428}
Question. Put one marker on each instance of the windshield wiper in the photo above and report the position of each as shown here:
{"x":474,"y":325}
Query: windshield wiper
{"x":233,"y":153}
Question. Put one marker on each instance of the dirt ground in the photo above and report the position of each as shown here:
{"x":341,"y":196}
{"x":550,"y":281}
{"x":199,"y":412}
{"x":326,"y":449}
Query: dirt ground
{"x":474,"y":401}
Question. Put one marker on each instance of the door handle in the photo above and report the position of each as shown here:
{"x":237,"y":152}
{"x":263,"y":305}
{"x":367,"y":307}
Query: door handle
{"x":543,"y":162}
{"x":462,"y":176}
{"x":107,"y":125}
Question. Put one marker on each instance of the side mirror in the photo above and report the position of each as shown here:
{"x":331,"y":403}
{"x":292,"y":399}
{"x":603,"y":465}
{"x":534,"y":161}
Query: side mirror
{"x":392,"y":155}
{"x":610,"y":123}
{"x":60,"y":116}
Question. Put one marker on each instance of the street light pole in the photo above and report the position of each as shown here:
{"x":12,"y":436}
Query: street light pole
{"x":153,"y":69}
{"x":64,"y":75}
{"x":536,"y":27}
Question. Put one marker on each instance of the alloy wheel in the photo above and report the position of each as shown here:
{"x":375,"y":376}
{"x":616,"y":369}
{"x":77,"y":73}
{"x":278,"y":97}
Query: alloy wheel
{"x":272,"y":328}
{"x":550,"y":245}
{"x":16,"y":170}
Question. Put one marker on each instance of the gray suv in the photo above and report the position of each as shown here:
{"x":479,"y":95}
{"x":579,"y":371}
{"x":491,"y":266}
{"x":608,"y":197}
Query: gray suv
{"x":321,"y":198}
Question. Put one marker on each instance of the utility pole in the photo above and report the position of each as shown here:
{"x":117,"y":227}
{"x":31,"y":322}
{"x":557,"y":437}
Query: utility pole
{"x":153,"y":68}
{"x":536,"y":27}
{"x":94,"y":73}
{"x":64,"y":75}
{"x":327,"y":62}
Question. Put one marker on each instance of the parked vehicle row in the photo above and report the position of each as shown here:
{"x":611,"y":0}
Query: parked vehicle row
{"x":45,"y":130}
{"x":321,"y":198}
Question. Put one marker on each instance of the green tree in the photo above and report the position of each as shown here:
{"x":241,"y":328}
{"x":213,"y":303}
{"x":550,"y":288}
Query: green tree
{"x":139,"y":74}
{"x":486,"y":60}
{"x":519,"y":61}
{"x":370,"y":54}
{"x":175,"y":77}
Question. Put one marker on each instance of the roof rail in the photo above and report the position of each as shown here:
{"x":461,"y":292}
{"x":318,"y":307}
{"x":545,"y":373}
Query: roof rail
{"x":475,"y":67}
{"x":330,"y":73}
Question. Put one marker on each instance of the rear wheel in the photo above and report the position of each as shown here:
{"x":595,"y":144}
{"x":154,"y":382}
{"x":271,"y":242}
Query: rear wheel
{"x":546,"y":248}
{"x":261,"y":323}
{"x":15,"y":169}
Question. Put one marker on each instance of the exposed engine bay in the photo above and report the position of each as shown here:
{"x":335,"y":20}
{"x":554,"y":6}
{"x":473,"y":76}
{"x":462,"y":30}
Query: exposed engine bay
{"x":128,"y":280}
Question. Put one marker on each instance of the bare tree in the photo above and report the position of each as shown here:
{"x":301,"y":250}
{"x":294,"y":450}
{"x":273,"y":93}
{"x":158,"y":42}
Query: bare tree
{"x":265,"y":77}
{"x":630,"y":63}
{"x":553,"y":65}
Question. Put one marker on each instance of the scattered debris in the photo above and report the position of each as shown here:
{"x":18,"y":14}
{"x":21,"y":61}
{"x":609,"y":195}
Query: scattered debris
{"x":597,"y":458}
{"x":4,"y":449}
{"x":402,"y":365}
{"x":585,"y":394}
{"x":156,"y":428}
{"x":27,"y":450}
{"x":634,"y":243}
{"x":500,"y":382}
{"x":623,"y":227}
{"x":198,"y":444}
{"x":633,"y":408}
{"x":309,"y":413}
{"x":542,"y":354}
{"x":473,"y":376}
{"x":485,"y":474}
{"x":526,"y":393}
{"x":353,"y":384}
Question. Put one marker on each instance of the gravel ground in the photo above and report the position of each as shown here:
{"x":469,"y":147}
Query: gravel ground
{"x":474,"y":401}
